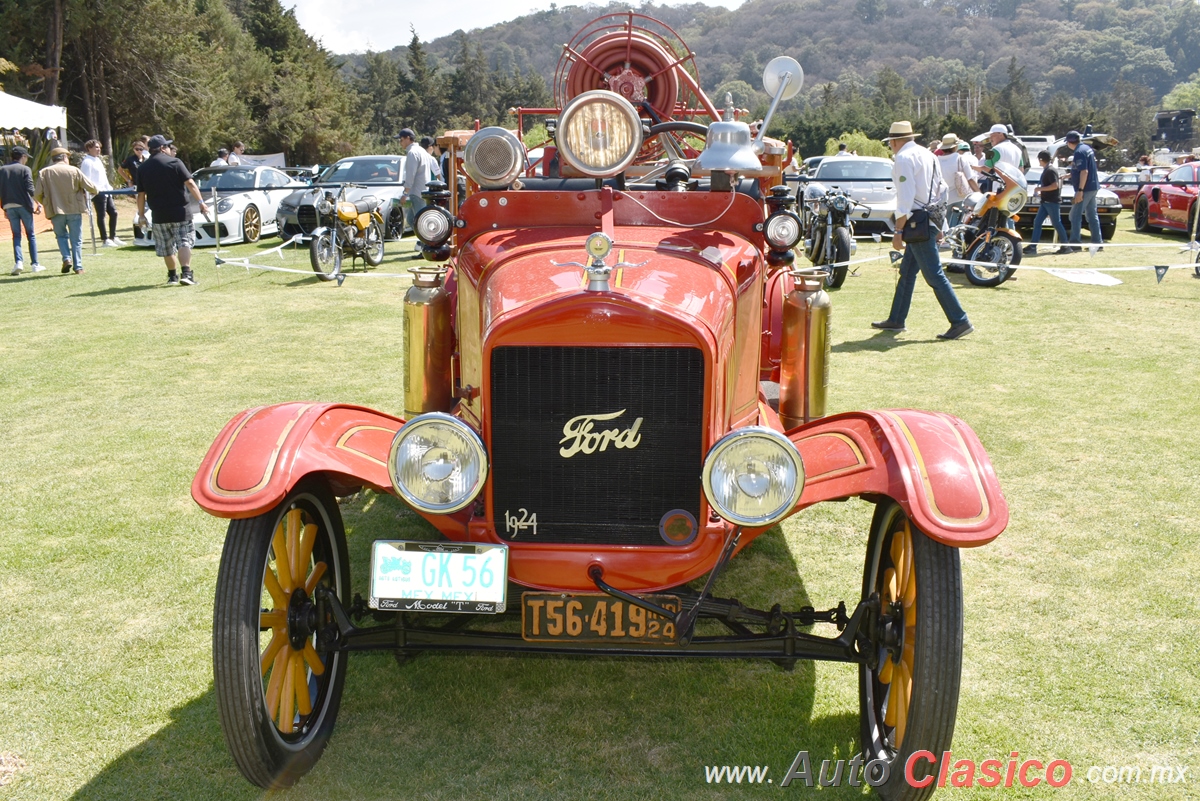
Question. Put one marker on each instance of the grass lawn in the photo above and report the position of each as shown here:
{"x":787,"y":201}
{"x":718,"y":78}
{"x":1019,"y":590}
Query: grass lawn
{"x":1080,"y":639}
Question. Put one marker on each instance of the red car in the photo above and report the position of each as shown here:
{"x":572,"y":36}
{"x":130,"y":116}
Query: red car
{"x":614,"y":381}
{"x":1124,"y":185}
{"x":1171,"y":204}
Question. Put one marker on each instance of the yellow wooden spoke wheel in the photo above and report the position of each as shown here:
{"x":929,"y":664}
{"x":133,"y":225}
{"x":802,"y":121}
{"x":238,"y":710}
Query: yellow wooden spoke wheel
{"x":277,"y":673}
{"x":909,"y":694}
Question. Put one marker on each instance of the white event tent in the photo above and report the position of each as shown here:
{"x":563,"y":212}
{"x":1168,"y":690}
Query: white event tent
{"x":16,"y":112}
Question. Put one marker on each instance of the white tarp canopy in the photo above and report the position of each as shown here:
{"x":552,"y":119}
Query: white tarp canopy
{"x":16,"y":112}
{"x":264,"y":160}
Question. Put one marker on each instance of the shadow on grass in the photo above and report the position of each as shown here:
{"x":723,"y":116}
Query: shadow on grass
{"x":523,"y":726}
{"x":880,"y":342}
{"x":116,"y":290}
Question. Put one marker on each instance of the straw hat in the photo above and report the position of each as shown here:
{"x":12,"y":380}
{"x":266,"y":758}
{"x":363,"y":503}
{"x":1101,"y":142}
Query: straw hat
{"x":900,"y":130}
{"x":59,"y":151}
{"x":950,"y":141}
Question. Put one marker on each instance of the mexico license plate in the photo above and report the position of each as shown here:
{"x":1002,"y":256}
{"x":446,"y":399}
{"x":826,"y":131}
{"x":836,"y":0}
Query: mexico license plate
{"x":594,"y":617}
{"x":438,"y":577}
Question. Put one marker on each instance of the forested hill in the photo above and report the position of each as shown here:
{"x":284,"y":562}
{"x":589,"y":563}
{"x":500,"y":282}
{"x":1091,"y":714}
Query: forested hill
{"x":1071,"y":46}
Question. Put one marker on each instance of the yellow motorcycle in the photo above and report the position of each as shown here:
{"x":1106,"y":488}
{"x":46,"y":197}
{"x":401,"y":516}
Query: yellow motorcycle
{"x":345,"y":228}
{"x":984,"y":236}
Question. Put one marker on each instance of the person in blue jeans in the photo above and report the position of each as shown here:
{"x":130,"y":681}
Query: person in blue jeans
{"x":1085,"y":177}
{"x":1049,"y":190}
{"x":918,"y":180}
{"x":16,"y":196}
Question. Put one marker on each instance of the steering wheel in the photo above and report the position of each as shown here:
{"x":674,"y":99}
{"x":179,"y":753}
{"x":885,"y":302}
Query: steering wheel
{"x":666,"y":138}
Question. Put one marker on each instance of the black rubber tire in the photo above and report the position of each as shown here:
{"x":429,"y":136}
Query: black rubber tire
{"x":1004,"y":249}
{"x":1108,"y":231}
{"x":264,"y":755}
{"x":1141,"y":218}
{"x":251,"y":225}
{"x":373,"y":253}
{"x":936,"y":639}
{"x":841,"y":253}
{"x":326,"y":259}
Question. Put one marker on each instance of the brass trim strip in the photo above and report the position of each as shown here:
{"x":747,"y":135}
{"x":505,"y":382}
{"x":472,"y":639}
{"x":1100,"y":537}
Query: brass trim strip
{"x":937,"y":512}
{"x":341,"y":443}
{"x":212,"y":476}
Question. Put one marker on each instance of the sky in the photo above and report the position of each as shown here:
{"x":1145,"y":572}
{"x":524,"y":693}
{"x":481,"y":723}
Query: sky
{"x":354,"y":26}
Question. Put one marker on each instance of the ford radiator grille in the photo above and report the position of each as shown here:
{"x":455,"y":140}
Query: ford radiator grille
{"x":597,"y":445}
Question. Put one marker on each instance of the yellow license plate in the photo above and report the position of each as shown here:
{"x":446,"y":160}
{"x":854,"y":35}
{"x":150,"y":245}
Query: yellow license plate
{"x":594,"y":617}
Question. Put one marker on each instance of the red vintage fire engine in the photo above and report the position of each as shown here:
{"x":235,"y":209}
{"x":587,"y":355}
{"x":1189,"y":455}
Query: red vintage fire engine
{"x":615,"y":381}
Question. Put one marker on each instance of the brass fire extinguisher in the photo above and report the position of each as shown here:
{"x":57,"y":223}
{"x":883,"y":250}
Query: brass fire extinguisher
{"x":428,"y":343}
{"x":804,"y":369}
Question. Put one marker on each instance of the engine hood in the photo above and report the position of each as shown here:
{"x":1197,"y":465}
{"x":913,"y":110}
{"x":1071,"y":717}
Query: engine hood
{"x":688,"y":274}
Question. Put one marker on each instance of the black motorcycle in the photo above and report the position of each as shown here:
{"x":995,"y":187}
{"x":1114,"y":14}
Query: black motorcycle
{"x":828,"y":230}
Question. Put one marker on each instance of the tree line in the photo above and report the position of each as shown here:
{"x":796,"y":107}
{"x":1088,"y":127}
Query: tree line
{"x":210,"y":72}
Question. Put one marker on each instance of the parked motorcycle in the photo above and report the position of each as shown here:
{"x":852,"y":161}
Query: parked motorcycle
{"x":346,"y":228}
{"x":983,"y":235}
{"x":829,"y":230}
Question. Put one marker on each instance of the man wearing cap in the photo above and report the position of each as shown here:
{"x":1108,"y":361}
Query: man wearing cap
{"x":956,"y":171}
{"x":1003,"y":150}
{"x":164,"y":183}
{"x":16,"y":196}
{"x":1085,"y":177}
{"x":418,"y":171}
{"x":918,"y":180}
{"x":64,"y":190}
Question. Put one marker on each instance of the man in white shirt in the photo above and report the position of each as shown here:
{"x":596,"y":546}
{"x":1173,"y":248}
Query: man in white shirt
{"x":960,"y":181}
{"x":418,"y":171}
{"x":94,"y":170}
{"x":222,"y":159}
{"x":918,"y":180}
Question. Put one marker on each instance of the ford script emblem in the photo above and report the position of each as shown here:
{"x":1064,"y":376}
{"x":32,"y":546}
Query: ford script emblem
{"x":579,"y":435}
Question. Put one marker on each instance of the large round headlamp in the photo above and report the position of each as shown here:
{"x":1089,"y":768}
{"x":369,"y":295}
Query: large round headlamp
{"x":783,"y":230}
{"x":437,"y":463}
{"x":1017,"y":201}
{"x":599,"y":134}
{"x":494,"y":158}
{"x":839,"y":202}
{"x":324,"y":207}
{"x":753,"y":477}
{"x":433,"y":226}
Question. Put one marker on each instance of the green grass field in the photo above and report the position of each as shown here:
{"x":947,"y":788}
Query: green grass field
{"x":1080,"y":639}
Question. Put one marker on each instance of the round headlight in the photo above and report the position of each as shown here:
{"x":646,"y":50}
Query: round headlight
{"x":1017,"y":200}
{"x":783,"y":230}
{"x":434,"y":225}
{"x":753,"y":477}
{"x":324,"y":207}
{"x":437,"y":463}
{"x":224,"y":205}
{"x":840,"y":202}
{"x":494,"y":158}
{"x":599,"y":134}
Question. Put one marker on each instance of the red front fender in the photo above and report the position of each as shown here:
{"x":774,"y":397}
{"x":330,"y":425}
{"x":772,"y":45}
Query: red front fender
{"x":932,"y":464}
{"x":262,"y":453}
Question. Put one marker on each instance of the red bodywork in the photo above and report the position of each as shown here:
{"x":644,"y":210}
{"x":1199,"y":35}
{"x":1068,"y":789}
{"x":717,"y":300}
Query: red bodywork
{"x":1173,"y":204}
{"x":698,"y":278}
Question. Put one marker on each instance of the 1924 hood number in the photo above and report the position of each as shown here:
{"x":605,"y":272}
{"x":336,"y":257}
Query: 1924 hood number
{"x":579,"y":436}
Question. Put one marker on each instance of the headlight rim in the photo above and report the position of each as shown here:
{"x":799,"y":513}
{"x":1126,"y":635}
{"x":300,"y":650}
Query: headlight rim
{"x":724,"y":443}
{"x":582,"y":100}
{"x":414,"y":424}
{"x":431,"y":211}
{"x":783,"y":214}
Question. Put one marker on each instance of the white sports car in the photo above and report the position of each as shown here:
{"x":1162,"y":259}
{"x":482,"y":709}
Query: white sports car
{"x":247,"y":201}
